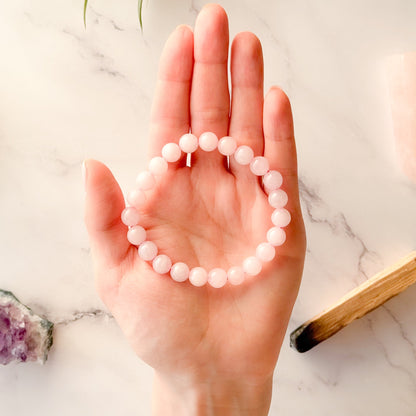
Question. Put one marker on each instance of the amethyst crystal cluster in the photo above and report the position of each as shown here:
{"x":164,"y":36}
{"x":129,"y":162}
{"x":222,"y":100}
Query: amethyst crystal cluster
{"x":24,"y":336}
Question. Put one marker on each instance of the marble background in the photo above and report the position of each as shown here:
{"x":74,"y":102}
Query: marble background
{"x":67,"y":93}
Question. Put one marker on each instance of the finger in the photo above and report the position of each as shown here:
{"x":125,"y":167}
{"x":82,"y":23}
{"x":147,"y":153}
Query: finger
{"x":280,"y":150}
{"x":104,"y":203}
{"x":246,"y":124}
{"x":279,"y":139}
{"x":210,"y":99}
{"x":170,"y":109}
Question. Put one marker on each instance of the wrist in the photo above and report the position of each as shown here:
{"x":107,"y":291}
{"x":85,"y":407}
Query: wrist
{"x":176,"y":396}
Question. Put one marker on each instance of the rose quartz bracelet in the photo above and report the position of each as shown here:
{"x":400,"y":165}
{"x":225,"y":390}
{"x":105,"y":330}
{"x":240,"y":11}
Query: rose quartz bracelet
{"x":198,"y":276}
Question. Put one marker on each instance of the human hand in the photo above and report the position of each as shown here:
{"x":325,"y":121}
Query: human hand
{"x":206,"y":345}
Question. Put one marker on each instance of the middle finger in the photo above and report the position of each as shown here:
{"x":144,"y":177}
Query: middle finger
{"x":210,"y":98}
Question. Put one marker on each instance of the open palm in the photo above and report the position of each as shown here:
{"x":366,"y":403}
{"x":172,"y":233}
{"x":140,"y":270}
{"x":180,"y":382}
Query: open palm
{"x":209,"y":214}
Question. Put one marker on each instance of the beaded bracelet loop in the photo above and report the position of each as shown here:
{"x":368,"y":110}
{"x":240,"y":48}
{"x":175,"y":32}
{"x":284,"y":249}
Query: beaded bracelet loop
{"x":171,"y":152}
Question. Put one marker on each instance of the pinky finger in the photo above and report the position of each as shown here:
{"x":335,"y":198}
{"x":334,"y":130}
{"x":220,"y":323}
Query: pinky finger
{"x":280,"y":150}
{"x":279,"y":140}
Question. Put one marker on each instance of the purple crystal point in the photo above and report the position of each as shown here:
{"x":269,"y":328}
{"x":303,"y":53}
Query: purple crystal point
{"x":24,"y":336}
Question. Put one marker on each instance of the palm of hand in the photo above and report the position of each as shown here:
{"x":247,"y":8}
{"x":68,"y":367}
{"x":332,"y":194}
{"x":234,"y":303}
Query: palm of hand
{"x":170,"y":324}
{"x":208,"y":216}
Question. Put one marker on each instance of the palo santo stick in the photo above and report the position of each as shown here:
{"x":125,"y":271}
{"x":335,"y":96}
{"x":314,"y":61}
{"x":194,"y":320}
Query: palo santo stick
{"x":355,"y":304}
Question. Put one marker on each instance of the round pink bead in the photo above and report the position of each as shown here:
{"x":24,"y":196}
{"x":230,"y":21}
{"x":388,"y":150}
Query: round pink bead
{"x":208,"y":141}
{"x":136,"y":235}
{"x":136,"y":198}
{"x":198,"y":276}
{"x":227,"y":146}
{"x":272,"y":180}
{"x":158,"y":165}
{"x":259,"y":165}
{"x":236,"y":275}
{"x":130,"y":216}
{"x":281,"y":217}
{"x":243,"y":155}
{"x":179,"y":272}
{"x":265,"y":252}
{"x":252,"y":266}
{"x":217,"y":277}
{"x":145,"y":180}
{"x":276,"y":236}
{"x":147,"y":250}
{"x":171,"y":152}
{"x":162,"y":264}
{"x":188,"y":143}
{"x":278,"y":198}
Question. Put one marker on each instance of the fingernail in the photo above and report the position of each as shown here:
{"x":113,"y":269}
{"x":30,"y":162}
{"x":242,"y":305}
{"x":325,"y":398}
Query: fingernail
{"x":84,"y":172}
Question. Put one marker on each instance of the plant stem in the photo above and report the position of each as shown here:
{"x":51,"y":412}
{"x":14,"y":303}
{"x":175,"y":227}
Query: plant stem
{"x":85,"y":13}
{"x":140,"y":14}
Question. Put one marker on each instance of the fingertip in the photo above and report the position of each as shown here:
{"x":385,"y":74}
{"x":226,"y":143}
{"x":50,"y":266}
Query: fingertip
{"x":211,"y":34}
{"x":87,"y":163}
{"x":279,"y":141}
{"x":104,"y":198}
{"x":214,"y":8}
{"x":249,"y":40}
{"x":275,"y":89}
{"x":279,"y":101}
{"x":97,"y":173}
{"x":176,"y":60}
{"x":185,"y":34}
{"x":247,"y":61}
{"x":212,"y":14}
{"x":185,"y":29}
{"x":278,"y":119}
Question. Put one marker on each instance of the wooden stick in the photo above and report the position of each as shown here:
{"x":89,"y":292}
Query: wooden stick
{"x":355,"y":304}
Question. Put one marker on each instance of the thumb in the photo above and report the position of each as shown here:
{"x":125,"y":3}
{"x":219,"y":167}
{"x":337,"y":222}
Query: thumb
{"x":104,"y":203}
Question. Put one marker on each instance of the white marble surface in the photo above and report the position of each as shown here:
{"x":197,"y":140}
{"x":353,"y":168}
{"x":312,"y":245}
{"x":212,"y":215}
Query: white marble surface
{"x":67,"y":93}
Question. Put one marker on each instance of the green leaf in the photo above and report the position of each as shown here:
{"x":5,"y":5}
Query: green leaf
{"x":85,"y":13}
{"x":140,"y":14}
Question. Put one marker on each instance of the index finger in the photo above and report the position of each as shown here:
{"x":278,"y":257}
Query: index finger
{"x":170,"y":110}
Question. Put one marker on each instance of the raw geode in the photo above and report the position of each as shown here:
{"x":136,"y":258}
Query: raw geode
{"x":24,"y":336}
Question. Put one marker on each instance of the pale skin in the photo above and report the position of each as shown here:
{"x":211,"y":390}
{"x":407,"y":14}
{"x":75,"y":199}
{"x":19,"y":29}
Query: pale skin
{"x":213,"y":350}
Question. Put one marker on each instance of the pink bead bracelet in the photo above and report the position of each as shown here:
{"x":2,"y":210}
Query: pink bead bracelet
{"x":198,"y":276}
